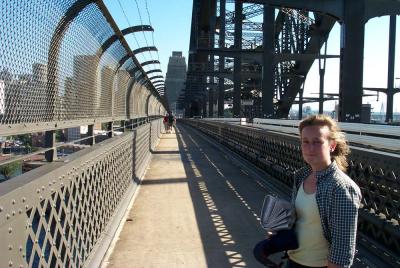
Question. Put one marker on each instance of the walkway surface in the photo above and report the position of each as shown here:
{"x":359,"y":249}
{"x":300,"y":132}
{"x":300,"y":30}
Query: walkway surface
{"x":196,"y":207}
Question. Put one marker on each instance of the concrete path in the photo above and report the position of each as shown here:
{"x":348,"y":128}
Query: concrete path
{"x":194,"y":208}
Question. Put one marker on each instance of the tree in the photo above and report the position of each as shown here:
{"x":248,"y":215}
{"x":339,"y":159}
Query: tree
{"x":8,"y":170}
{"x":60,"y":135}
{"x":26,"y":139}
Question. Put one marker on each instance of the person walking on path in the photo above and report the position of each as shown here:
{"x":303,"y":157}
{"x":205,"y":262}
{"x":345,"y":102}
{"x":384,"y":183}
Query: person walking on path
{"x":171,"y":122}
{"x":165,"y":122}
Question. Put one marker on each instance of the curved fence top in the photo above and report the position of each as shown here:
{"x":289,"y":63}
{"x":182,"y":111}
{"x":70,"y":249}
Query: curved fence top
{"x":51,"y":72}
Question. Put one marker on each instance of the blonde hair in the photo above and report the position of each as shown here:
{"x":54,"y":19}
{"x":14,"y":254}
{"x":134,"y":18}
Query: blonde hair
{"x":342,"y":149}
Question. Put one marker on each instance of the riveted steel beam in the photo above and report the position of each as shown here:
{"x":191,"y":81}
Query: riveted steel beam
{"x":123,"y":60}
{"x":221,"y":67}
{"x":237,"y":78}
{"x":351,"y":62}
{"x":137,"y":28}
{"x":136,"y":69}
{"x":114,"y":38}
{"x":390,"y":80}
{"x":155,"y":77}
{"x":331,"y":7}
{"x":158,"y":81}
{"x":154,"y":71}
{"x":268,"y":75}
{"x":256,"y":55}
{"x":144,"y":49}
{"x":150,"y":62}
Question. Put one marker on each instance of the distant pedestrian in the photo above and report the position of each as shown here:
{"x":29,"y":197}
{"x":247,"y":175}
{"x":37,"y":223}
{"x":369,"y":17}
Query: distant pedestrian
{"x":165,"y":122}
{"x":171,"y":121}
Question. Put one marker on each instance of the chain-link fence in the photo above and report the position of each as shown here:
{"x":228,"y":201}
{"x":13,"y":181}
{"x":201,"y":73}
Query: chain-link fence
{"x":65,"y":63}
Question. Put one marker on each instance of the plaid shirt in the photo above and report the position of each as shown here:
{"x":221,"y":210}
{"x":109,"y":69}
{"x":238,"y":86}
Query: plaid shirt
{"x":338,"y":199}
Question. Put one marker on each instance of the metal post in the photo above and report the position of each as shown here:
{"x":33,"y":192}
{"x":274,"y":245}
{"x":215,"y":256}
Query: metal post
{"x":301,"y":102}
{"x":221,"y":93}
{"x":110,"y":133}
{"x":122,"y":126}
{"x":50,"y":142}
{"x":90,"y":133}
{"x":321,"y":90}
{"x":204,"y":105}
{"x":187,"y":108}
{"x":390,"y":81}
{"x":268,"y":59}
{"x":321,"y":66}
{"x":351,"y":61}
{"x":238,"y":61}
{"x":221,"y":67}
{"x":211,"y":63}
{"x":211,"y":103}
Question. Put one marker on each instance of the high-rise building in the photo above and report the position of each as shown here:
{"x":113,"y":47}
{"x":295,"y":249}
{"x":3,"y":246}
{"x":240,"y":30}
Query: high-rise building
{"x":85,"y":84}
{"x":38,"y":96}
{"x":2,"y":97}
{"x":175,"y":79}
{"x":73,"y":133}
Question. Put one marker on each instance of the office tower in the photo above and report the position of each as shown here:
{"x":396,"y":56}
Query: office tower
{"x":2,"y":97}
{"x":85,"y":85}
{"x":175,"y":79}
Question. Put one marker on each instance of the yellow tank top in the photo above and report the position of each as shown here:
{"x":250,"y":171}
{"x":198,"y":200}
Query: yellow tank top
{"x":313,"y":247}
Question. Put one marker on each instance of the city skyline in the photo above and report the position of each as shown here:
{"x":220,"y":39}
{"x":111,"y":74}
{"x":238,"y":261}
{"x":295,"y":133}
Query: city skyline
{"x":375,"y":63}
{"x":171,"y":23}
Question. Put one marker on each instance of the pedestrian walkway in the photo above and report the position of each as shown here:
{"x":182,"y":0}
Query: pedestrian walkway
{"x":196,"y":207}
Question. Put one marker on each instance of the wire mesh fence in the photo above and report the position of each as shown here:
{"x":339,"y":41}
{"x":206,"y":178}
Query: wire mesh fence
{"x":65,"y":64}
{"x":55,"y":69}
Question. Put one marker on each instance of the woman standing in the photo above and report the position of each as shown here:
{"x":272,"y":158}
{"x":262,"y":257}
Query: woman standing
{"x":325,"y":198}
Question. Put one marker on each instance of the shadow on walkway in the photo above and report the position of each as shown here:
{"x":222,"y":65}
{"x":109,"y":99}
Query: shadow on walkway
{"x":195,"y":208}
{"x":226,"y":199}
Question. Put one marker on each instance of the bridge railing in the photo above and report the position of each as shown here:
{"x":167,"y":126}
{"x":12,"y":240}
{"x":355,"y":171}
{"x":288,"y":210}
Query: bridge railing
{"x":384,"y":137}
{"x":381,"y":137}
{"x":65,"y":64}
{"x":59,"y":215}
{"x":377,"y":174}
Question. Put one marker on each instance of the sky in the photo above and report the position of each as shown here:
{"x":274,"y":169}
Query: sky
{"x":171,"y":21}
{"x":375,"y":64}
